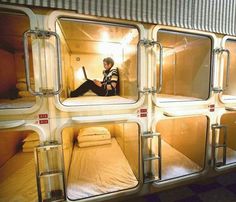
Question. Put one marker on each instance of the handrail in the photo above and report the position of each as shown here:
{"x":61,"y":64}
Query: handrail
{"x":227,"y":66}
{"x":43,"y":35}
{"x":213,"y":69}
{"x":140,"y":42}
{"x":27,"y":69}
{"x":147,"y":42}
{"x":11,"y":124}
{"x":220,"y":51}
{"x":59,"y":68}
{"x":160,"y":65}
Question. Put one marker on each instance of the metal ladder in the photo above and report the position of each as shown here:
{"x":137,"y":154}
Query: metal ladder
{"x":50,"y":172}
{"x":216,"y":146}
{"x":151,"y":156}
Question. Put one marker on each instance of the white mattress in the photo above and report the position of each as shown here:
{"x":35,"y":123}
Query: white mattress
{"x":175,"y":98}
{"x":25,"y":102}
{"x":175,"y":164}
{"x":98,"y":170}
{"x":17,"y":179}
{"x":96,"y":100}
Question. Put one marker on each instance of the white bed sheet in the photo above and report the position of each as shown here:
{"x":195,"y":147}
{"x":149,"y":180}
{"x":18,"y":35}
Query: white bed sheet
{"x":174,"y":98}
{"x":96,"y":100}
{"x":98,"y":170}
{"x":175,"y":164}
{"x":25,"y":102}
{"x":17,"y":179}
{"x":230,"y":155}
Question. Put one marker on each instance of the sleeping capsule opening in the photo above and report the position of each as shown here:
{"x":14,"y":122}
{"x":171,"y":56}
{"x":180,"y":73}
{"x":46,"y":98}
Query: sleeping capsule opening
{"x":17,"y":165}
{"x":101,"y":158}
{"x":85,"y":47}
{"x":14,"y":92}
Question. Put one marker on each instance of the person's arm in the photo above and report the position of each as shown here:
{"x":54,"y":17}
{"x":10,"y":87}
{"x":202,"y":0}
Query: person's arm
{"x":112,"y":86}
{"x":98,"y":83}
{"x":114,"y":80}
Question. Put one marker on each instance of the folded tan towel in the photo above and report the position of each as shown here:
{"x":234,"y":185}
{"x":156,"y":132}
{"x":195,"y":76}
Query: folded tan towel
{"x":23,"y":80}
{"x":31,"y":137}
{"x":25,"y":94}
{"x":23,"y":87}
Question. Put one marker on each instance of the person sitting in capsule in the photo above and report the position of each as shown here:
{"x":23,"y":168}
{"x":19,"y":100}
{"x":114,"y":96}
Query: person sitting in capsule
{"x":109,"y":86}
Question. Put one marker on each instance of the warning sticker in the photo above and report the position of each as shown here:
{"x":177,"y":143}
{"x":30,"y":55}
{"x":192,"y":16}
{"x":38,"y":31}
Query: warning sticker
{"x":211,"y":107}
{"x":43,"y":121}
{"x":43,"y":118}
{"x":142,"y":112}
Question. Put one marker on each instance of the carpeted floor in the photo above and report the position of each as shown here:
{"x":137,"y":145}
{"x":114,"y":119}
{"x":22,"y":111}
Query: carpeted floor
{"x":218,"y":189}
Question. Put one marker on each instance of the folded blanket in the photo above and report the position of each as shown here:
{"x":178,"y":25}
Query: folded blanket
{"x":23,"y":80}
{"x":25,"y":94}
{"x":90,"y":138}
{"x":93,"y":131}
{"x":30,"y":144}
{"x":23,"y":87}
{"x":94,"y":143}
{"x":31,"y":137}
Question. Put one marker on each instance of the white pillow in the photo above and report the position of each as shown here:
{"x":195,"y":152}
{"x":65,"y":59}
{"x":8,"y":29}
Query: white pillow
{"x":31,"y":137}
{"x":94,"y":131}
{"x":94,"y":143}
{"x":93,"y":138}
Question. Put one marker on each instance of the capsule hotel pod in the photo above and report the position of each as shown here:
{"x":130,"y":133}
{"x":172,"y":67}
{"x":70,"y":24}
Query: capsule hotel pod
{"x":19,"y":85}
{"x":169,"y":120}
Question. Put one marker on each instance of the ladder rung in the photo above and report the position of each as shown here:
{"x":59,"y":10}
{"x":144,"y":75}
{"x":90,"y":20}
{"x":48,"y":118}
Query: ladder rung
{"x":150,"y":158}
{"x":54,"y":200}
{"x":219,"y":164}
{"x":151,"y":135}
{"x":151,"y":179}
{"x":220,"y":145}
{"x":46,"y":147}
{"x":50,"y":173}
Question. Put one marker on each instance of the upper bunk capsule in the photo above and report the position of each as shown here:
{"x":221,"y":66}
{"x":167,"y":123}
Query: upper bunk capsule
{"x":85,"y":43}
{"x":184,"y":70}
{"x":15,"y":97}
{"x":228,"y":70}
